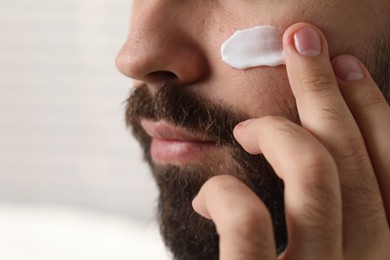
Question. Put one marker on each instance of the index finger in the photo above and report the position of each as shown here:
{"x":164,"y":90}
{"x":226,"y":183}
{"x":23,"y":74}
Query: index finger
{"x":325,"y":114}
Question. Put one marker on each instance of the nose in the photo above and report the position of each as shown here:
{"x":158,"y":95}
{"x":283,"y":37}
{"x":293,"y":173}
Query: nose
{"x":161,"y":46}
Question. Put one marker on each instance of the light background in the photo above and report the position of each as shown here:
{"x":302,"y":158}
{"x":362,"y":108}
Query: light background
{"x":72,"y":181}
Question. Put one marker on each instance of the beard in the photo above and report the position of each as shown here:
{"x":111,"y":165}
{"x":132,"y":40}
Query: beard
{"x":187,"y":234}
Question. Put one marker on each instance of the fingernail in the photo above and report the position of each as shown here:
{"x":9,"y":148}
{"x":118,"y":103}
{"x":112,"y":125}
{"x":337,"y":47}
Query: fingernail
{"x":347,"y":69}
{"x":307,"y":42}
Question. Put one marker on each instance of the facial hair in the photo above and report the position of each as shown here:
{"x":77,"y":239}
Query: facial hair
{"x":185,"y":233}
{"x":377,"y":61}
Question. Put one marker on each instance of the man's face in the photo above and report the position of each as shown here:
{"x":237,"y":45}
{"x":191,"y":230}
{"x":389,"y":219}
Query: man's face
{"x":188,"y":100}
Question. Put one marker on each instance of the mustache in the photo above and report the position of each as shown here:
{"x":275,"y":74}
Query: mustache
{"x":182,"y":107}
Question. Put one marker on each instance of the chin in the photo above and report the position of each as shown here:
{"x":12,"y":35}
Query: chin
{"x":188,"y":235}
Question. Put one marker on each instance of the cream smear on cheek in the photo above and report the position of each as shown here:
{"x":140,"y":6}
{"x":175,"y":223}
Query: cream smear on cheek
{"x":254,"y":47}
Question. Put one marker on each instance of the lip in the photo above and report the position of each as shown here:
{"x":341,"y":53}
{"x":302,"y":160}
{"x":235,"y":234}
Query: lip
{"x":174,"y":145}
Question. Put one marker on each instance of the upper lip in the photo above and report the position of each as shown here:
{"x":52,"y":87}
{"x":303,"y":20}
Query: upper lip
{"x":167,"y":131}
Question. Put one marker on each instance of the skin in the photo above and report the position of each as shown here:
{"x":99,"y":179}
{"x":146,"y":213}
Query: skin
{"x":337,"y":156}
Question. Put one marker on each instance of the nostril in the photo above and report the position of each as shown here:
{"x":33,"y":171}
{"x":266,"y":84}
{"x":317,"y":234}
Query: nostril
{"x":161,"y":76}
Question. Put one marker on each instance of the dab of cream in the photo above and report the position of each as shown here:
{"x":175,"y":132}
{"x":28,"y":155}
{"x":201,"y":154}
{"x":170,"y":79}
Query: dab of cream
{"x":254,"y":47}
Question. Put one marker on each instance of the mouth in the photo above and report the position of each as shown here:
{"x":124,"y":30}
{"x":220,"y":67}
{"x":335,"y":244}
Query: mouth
{"x":174,"y":145}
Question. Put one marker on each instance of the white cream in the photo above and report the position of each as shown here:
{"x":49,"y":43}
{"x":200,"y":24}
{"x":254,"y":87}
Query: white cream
{"x":254,"y":47}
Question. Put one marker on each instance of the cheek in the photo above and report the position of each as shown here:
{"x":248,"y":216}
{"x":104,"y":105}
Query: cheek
{"x":265,"y":91}
{"x":255,"y":92}
{"x":346,"y":24}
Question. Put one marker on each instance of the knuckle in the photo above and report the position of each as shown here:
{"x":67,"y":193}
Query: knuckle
{"x":359,"y":194}
{"x":317,"y":82}
{"x":335,"y":113}
{"x":318,"y":170}
{"x":372,"y":99}
{"x":289,"y":131}
{"x":284,"y":125}
{"x":321,"y":192}
{"x":317,"y":163}
{"x":375,"y":249}
{"x":352,"y":152}
{"x":245,"y":221}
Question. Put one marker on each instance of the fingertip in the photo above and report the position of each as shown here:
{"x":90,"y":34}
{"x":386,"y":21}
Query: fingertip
{"x":240,"y":128}
{"x":199,"y":207}
{"x":195,"y":203}
{"x":348,"y":68}
{"x":307,"y":63}
{"x":243,"y":133}
{"x":304,"y":39}
{"x":246,"y":122}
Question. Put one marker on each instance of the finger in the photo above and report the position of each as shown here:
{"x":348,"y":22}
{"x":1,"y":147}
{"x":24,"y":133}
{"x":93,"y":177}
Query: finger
{"x":243,"y":222}
{"x":312,"y":191}
{"x":323,"y":112}
{"x":372,"y":114}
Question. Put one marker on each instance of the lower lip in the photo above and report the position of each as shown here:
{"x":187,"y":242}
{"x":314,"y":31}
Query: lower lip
{"x":178,"y":152}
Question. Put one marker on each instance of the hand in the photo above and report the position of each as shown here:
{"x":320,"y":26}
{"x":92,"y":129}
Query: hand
{"x":335,"y":166}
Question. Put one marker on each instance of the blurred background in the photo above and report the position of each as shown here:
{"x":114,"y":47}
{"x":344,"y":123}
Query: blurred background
{"x":72,"y":181}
